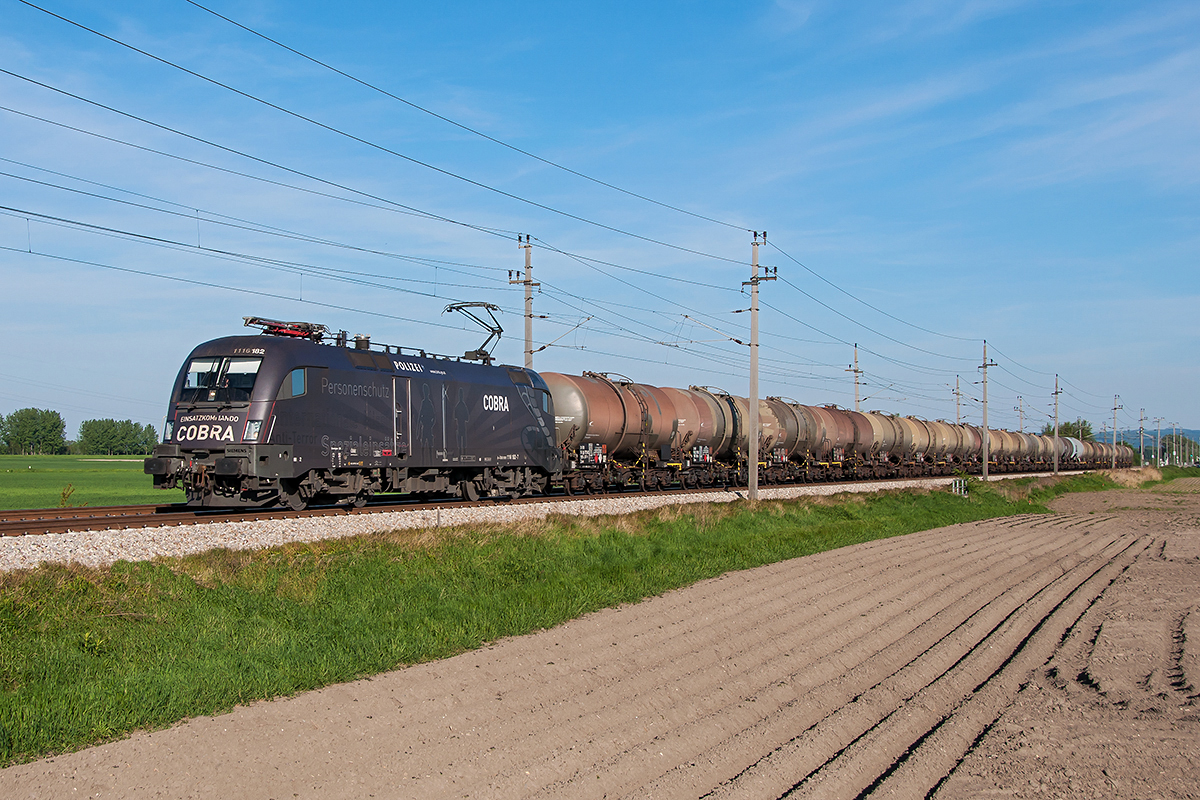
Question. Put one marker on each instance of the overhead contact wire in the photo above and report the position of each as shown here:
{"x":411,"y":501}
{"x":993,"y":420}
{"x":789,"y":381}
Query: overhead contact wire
{"x":460,"y":125}
{"x":377,"y":146}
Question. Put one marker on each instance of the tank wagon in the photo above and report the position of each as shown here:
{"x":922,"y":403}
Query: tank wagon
{"x":296,"y":416}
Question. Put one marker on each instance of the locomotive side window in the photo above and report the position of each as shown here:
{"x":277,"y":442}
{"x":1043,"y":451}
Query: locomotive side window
{"x":294,"y":385}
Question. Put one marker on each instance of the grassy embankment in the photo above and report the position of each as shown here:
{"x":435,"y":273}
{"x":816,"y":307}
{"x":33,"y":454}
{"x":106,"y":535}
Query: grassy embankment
{"x":90,"y":655}
{"x":42,"y":482}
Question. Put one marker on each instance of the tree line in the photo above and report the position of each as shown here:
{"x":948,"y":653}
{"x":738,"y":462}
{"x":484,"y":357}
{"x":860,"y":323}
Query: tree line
{"x":38,"y":431}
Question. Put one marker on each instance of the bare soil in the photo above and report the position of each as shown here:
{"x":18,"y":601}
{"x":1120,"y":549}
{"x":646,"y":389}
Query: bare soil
{"x":1036,"y":656}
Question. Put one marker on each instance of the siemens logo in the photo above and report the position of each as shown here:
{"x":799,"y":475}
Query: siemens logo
{"x":495,"y":402}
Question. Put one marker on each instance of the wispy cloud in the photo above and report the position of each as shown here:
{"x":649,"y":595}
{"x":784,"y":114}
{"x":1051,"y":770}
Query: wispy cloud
{"x":928,"y":18}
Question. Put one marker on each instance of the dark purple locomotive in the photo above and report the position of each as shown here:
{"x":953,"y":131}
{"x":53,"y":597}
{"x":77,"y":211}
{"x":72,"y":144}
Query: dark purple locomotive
{"x":296,"y":416}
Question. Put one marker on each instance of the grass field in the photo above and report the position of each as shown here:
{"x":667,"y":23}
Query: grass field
{"x":89,"y":655}
{"x":40,"y":481}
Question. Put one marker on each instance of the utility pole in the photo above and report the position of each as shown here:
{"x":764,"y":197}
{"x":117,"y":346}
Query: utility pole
{"x":986,"y":434}
{"x":856,"y":372}
{"x":957,"y":403}
{"x":1020,"y":409}
{"x":752,"y":433}
{"x":1142,"y":437}
{"x":1158,"y":442}
{"x":529,"y":286}
{"x":1116,"y":407}
{"x":1057,"y":392}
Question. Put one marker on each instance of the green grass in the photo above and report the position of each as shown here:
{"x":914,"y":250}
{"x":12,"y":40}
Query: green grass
{"x":1171,"y":473}
{"x":90,"y":655}
{"x":40,"y":481}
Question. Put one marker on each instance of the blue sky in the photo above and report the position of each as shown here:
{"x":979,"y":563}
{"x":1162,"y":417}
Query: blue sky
{"x":930,"y":174}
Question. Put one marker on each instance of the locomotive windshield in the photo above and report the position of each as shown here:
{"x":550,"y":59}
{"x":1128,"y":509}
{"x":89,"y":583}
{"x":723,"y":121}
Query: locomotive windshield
{"x":222,"y":380}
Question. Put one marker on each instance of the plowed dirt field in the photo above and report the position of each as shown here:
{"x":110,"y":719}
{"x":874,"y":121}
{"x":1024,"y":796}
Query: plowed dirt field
{"x":1036,"y":656}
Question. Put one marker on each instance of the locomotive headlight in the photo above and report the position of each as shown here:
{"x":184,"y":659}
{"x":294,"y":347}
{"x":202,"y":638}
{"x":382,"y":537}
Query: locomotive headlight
{"x":252,"y":431}
{"x":168,"y":431}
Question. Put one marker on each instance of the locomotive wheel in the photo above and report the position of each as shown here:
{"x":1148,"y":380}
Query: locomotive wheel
{"x":469,"y":491}
{"x":359,"y":500}
{"x":289,"y":495}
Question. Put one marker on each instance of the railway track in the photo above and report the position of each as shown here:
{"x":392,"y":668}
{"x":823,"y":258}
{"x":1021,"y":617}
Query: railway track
{"x":28,"y":522}
{"x":68,"y":520}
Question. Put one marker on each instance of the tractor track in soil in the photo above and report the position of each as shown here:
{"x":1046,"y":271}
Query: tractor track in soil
{"x":1031,"y":656}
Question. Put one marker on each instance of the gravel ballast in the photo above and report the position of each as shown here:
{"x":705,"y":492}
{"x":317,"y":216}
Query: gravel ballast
{"x":104,"y":548}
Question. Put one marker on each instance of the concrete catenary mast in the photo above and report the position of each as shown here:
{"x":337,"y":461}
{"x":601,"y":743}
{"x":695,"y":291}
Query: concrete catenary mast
{"x":752,"y":432}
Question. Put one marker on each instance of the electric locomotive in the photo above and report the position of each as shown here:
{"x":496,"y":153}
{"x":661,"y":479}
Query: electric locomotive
{"x":298,"y":416}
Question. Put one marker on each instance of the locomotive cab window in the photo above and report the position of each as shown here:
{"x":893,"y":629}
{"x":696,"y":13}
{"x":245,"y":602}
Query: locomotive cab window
{"x":202,"y":376}
{"x":220,"y":380}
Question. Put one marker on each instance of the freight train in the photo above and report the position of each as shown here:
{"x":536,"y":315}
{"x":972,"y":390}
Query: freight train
{"x":296,"y":416}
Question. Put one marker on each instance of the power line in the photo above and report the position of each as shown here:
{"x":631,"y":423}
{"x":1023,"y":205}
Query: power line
{"x":270,"y":263}
{"x":211,"y":285}
{"x":854,"y":297}
{"x":392,"y":206}
{"x":266,"y":162}
{"x":928,"y":370}
{"x":215,"y":218}
{"x":461,"y":126}
{"x":868,"y":328}
{"x":381,"y":148}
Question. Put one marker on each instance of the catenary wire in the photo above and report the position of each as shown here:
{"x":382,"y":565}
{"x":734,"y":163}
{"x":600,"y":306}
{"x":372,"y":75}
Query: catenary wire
{"x":864,"y":326}
{"x":215,"y":218}
{"x":392,"y":205}
{"x":852,"y":296}
{"x":461,"y":126}
{"x":270,"y":263}
{"x":266,"y":162}
{"x":211,"y":285}
{"x":381,"y":148}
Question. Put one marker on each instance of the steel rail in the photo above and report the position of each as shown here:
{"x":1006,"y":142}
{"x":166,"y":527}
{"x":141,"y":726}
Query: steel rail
{"x":29,"y":522}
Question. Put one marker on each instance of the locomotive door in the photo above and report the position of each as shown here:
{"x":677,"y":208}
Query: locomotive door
{"x":401,"y":417}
